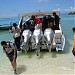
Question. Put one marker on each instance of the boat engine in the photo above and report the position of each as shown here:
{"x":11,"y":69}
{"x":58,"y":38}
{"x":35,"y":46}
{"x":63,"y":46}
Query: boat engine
{"x":37,"y":36}
{"x":49,"y":35}
{"x":27,"y":40}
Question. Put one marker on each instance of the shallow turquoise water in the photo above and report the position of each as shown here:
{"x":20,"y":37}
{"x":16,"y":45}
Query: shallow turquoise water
{"x":67,"y":23}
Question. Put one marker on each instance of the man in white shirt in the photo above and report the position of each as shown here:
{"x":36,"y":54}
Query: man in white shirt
{"x":16,"y":31}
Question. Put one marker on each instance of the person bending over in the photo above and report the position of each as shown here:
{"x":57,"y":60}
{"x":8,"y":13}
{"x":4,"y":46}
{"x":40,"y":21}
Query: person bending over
{"x":11,"y":53}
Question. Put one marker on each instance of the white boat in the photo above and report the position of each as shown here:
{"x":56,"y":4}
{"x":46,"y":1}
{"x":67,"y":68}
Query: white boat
{"x":49,"y":39}
{"x":59,"y":39}
{"x":7,"y":27}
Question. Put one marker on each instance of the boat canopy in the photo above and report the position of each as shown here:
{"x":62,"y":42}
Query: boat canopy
{"x":38,"y":13}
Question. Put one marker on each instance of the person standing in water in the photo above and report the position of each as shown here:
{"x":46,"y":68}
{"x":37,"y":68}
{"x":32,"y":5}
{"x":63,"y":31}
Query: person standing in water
{"x":17,"y":37}
{"x":11,"y":53}
{"x":73,"y":51}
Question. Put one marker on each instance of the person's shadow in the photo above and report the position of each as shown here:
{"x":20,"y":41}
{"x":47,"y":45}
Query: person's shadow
{"x":21,"y":69}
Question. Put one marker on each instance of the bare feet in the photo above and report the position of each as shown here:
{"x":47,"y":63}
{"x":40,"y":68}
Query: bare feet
{"x":15,"y":72}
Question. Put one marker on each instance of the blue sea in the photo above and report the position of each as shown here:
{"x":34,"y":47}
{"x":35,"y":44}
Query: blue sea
{"x":67,"y":23}
{"x":8,"y":21}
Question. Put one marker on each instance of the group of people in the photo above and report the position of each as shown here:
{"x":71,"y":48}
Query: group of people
{"x":51,"y":22}
{"x":11,"y":49}
{"x":46,"y":22}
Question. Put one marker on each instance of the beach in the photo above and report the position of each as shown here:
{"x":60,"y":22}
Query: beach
{"x":53,"y":63}
{"x":47,"y":63}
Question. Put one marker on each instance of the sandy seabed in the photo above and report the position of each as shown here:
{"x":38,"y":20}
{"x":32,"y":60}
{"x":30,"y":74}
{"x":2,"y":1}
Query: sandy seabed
{"x":53,"y":63}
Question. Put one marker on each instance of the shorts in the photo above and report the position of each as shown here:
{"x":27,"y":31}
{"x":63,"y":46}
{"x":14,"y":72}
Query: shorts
{"x":73,"y":52}
{"x":11,"y":56}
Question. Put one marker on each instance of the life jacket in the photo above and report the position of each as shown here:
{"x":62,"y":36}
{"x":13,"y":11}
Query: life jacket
{"x":73,"y":51}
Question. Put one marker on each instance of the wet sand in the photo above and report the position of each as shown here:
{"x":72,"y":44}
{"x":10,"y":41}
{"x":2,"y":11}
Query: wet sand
{"x":53,"y":63}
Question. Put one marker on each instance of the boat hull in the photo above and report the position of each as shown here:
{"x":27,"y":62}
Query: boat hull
{"x":5,"y":27}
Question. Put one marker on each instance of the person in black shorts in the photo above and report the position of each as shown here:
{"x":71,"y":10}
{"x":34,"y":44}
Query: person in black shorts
{"x":11,"y":53}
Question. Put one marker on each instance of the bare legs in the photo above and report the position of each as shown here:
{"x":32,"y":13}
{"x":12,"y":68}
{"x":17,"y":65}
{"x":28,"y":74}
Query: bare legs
{"x":13,"y":63}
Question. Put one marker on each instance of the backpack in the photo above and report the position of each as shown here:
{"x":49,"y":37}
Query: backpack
{"x":9,"y":43}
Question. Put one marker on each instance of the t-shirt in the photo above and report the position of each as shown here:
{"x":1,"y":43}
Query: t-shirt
{"x":16,"y":32}
{"x":10,"y":48}
{"x":37,"y":20}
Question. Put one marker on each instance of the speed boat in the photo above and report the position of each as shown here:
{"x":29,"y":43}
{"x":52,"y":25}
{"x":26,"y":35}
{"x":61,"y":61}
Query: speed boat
{"x":49,"y":39}
{"x":7,"y":27}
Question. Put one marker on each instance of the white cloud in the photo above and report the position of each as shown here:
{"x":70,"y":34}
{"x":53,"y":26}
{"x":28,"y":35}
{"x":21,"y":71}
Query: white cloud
{"x":70,"y":9}
{"x":58,"y":9}
{"x":8,"y":15}
{"x":57,"y":4}
{"x":43,"y":0}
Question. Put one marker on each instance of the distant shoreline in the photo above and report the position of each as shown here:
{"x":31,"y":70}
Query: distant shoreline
{"x":71,"y":13}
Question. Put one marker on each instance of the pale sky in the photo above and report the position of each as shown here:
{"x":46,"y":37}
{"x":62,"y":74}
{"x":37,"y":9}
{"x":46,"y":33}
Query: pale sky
{"x":14,"y":7}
